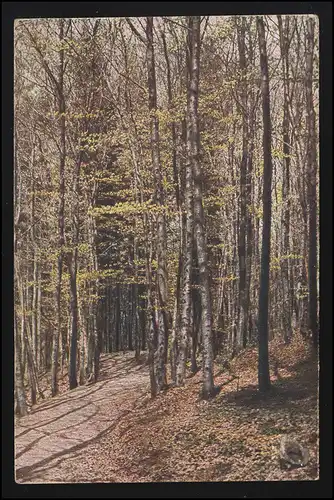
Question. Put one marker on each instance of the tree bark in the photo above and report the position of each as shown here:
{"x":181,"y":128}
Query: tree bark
{"x":263,"y":363}
{"x":150,"y":311}
{"x":21,"y":402}
{"x":34,"y":323}
{"x":117,"y":317}
{"x":286,"y":288}
{"x":162,"y":279}
{"x":249,"y":190}
{"x":192,"y":152}
{"x":311,"y":188}
{"x":243,"y":306}
{"x":61,"y":223}
{"x":199,"y":229}
{"x":72,"y":264}
{"x":73,"y":270}
{"x":176,"y":314}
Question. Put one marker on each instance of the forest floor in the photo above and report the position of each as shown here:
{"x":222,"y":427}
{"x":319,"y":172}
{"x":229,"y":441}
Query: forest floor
{"x":112,"y":431}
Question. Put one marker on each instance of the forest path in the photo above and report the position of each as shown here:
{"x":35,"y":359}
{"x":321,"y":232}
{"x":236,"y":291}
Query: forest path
{"x":58,"y":432}
{"x":114,"y":432}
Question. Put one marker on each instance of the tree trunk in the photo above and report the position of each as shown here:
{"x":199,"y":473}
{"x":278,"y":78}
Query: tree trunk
{"x":176,"y":315}
{"x":21,"y":403}
{"x":61,"y":224}
{"x":34,"y":324}
{"x":117,"y":317}
{"x":263,"y":364}
{"x":82,"y":344}
{"x":74,"y":323}
{"x":73,"y":269}
{"x":137,"y":321}
{"x":150,"y":312}
{"x":192,"y":152}
{"x":162,"y":280}
{"x":20,"y":397}
{"x":41,"y":338}
{"x":243,"y":306}
{"x":311,"y":188}
{"x":286,"y":288}
{"x":195,"y":325}
{"x":199,"y":229}
{"x":130,"y":316}
{"x":249,"y":191}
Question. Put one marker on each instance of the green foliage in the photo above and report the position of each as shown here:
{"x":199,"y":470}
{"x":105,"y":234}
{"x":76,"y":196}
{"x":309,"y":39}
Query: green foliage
{"x":108,"y":129}
{"x":127,"y":208}
{"x":276,"y":261}
{"x":279,"y":154}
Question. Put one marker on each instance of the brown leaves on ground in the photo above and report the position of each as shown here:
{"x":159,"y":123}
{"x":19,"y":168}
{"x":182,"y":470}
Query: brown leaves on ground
{"x":234,"y":437}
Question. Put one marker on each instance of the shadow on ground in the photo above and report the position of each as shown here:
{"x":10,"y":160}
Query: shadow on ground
{"x":59,"y":430}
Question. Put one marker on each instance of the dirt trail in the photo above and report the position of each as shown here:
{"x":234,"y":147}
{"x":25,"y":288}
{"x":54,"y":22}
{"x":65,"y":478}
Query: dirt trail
{"x":50,"y":442}
{"x":113,"y":431}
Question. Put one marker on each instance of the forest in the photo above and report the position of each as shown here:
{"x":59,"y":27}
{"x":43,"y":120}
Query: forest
{"x":166,"y":245}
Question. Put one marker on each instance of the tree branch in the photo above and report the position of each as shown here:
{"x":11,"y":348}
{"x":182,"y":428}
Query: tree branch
{"x":135,"y":31}
{"x":45,"y":64}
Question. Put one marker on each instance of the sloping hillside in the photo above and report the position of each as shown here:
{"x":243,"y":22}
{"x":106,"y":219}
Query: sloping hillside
{"x":113,"y":432}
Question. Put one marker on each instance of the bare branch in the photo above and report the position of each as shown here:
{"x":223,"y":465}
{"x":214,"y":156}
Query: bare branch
{"x":135,"y":31}
{"x":175,"y":22}
{"x":205,"y":27}
{"x":45,"y":64}
{"x":127,"y":77}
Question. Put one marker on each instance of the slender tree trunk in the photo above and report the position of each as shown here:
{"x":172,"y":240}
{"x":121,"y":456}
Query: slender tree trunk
{"x":191,"y":140}
{"x":82,"y":340}
{"x":117,"y":317}
{"x":199,"y":229}
{"x":110,"y":304}
{"x":243,"y":306}
{"x":250,"y":234}
{"x":73,"y":269}
{"x":35,"y":264}
{"x":95,"y":336}
{"x":263,"y":366}
{"x":142,"y":318}
{"x":32,"y":373}
{"x":26,"y":336}
{"x":137,"y":322}
{"x":150,"y":311}
{"x":41,"y":338}
{"x":249,"y":191}
{"x":176,"y":315}
{"x":311,"y":188}
{"x":74,"y":323}
{"x":20,"y":397}
{"x":175,"y":328}
{"x":21,"y":403}
{"x":286,"y":289}
{"x":130,"y":315}
{"x":61,"y":224}
{"x":195,"y":325}
{"x":162,"y":279}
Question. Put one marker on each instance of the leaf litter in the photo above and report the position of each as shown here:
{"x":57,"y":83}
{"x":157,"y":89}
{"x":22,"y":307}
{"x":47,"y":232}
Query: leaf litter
{"x":179,"y":437}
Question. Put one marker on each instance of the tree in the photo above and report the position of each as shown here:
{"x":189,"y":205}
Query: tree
{"x":263,"y":368}
{"x":61,"y":223}
{"x":162,"y":278}
{"x":287,"y":299}
{"x":199,"y":221}
{"x":243,"y":319}
{"x":192,"y":153}
{"x":311,"y":186}
{"x":118,"y":182}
